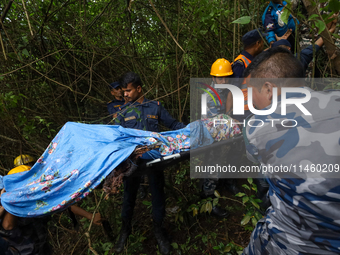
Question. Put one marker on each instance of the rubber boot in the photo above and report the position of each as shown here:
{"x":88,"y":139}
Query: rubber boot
{"x":123,"y":236}
{"x":219,"y":212}
{"x":162,"y":239}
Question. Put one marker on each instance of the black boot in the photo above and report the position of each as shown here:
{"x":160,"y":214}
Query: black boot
{"x":219,"y":212}
{"x":123,"y":236}
{"x":162,"y":239}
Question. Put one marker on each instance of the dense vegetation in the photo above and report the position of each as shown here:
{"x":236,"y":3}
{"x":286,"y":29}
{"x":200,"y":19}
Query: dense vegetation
{"x":58,"y":57}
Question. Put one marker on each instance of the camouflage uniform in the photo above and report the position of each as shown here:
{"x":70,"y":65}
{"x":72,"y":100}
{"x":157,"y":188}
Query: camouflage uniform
{"x":304,"y":217}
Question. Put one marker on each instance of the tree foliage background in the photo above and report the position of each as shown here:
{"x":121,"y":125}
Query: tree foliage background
{"x":58,"y":57}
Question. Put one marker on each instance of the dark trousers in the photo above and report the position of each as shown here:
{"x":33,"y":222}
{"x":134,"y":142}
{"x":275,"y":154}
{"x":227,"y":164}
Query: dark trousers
{"x":156,"y":186}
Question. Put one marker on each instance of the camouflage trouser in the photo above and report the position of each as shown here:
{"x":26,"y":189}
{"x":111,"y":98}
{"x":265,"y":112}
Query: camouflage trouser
{"x":261,"y":243}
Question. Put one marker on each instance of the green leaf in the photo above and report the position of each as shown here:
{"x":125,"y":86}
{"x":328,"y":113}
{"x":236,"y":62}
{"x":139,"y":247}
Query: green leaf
{"x":321,"y":25}
{"x":215,"y":202}
{"x":208,"y":207}
{"x":242,"y":20}
{"x":245,"y":199}
{"x":240,"y":194}
{"x":202,"y":208}
{"x":25,"y":52}
{"x":250,"y":180}
{"x":245,"y":220}
{"x":255,"y":204}
{"x":146,"y":202}
{"x":194,"y":211}
{"x":227,"y":248}
{"x":258,"y":215}
{"x":175,"y":245}
{"x":245,"y":186}
{"x":217,"y":194}
{"x":286,"y":12}
{"x":313,"y":16}
{"x":334,"y":5}
{"x":253,"y":221}
{"x":336,"y":36}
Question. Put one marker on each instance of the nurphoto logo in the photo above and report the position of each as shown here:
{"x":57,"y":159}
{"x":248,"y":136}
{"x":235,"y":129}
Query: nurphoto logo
{"x":238,"y":100}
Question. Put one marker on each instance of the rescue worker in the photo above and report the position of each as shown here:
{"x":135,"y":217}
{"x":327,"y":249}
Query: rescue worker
{"x":29,"y":235}
{"x":304,"y":217}
{"x":118,"y":101}
{"x":113,"y":108}
{"x":306,"y":54}
{"x":220,"y":71}
{"x":253,"y":45}
{"x":144,"y":114}
{"x":273,"y":24}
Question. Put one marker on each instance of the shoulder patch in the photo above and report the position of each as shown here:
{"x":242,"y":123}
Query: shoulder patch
{"x":152,"y":117}
{"x":115,"y":106}
{"x":109,"y":102}
{"x":270,"y":26}
{"x":130,"y":118}
{"x":239,"y":61}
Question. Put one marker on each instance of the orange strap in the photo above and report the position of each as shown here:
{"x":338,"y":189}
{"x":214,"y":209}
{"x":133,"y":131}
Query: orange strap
{"x":245,"y":94}
{"x":244,"y":59}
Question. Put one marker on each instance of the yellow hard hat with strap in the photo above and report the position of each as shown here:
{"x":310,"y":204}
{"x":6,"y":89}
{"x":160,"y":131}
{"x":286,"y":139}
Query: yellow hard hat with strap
{"x":221,"y":67}
{"x":19,"y":169}
{"x":23,"y":159}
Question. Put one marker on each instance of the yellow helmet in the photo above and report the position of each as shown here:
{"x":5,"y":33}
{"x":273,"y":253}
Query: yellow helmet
{"x":221,"y":67}
{"x":19,"y":169}
{"x":23,"y":159}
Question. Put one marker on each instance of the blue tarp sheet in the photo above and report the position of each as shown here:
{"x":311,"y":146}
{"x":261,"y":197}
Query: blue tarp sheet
{"x":77,"y":160}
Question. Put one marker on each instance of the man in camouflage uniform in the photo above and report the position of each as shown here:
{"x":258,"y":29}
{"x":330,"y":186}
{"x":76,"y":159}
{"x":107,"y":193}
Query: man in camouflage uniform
{"x":304,"y":217}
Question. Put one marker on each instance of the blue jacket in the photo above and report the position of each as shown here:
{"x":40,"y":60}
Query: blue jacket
{"x":113,"y":106}
{"x":146,"y":116}
{"x":238,"y":69}
{"x":270,"y":21}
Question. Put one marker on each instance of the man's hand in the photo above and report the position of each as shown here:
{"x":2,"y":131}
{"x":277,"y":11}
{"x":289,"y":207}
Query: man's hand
{"x":285,"y":36}
{"x":97,"y":219}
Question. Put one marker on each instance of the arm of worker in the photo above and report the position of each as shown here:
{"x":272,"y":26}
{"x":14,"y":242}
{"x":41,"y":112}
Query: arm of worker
{"x":82,"y":213}
{"x":168,"y":120}
{"x":9,"y":221}
{"x":285,"y":36}
{"x":306,"y":55}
